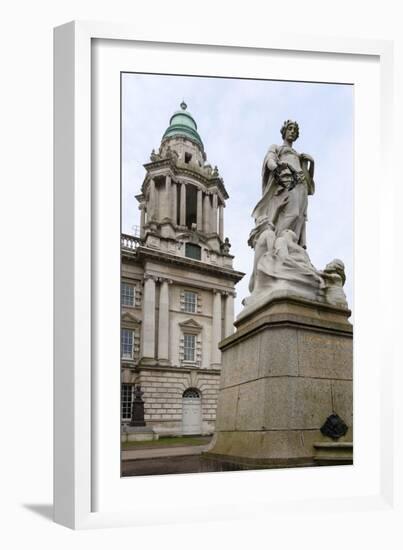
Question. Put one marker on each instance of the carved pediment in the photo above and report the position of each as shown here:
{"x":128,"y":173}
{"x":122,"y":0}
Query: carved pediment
{"x":128,"y":317}
{"x":191,"y":237}
{"x":183,"y":236}
{"x":191,"y":326}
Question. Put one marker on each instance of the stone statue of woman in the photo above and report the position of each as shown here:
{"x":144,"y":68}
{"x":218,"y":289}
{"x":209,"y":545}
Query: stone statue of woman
{"x":287,"y":180}
{"x":282,"y":267}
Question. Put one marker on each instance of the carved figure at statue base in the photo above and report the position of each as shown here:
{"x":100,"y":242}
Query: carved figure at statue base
{"x":334,"y":278}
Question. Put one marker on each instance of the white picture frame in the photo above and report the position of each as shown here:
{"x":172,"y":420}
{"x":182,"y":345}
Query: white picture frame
{"x":86,"y":491}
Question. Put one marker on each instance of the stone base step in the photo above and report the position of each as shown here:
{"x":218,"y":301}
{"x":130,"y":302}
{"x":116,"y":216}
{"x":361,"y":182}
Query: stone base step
{"x":138,"y":433}
{"x":333,"y":453}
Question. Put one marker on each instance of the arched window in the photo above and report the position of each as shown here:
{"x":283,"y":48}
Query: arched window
{"x":193,"y":251}
{"x":191,"y":206}
{"x":192,"y":393}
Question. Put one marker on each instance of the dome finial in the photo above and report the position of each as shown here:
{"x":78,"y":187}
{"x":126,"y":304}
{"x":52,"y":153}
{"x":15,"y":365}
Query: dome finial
{"x":183,"y":124}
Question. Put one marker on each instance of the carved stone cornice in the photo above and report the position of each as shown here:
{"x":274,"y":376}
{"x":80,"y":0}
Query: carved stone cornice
{"x":144,"y":253}
{"x":168,"y":167}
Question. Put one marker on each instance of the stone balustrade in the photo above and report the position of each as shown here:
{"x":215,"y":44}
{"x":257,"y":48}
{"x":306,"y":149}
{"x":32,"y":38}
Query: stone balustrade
{"x":129,"y":241}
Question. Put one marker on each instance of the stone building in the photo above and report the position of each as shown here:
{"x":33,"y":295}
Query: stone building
{"x":177,"y":289}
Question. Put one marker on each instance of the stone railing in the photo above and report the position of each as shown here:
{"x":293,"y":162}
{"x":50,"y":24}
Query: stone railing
{"x":129,"y":242}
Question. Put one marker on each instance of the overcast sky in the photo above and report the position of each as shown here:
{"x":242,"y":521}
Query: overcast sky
{"x":237,"y":121}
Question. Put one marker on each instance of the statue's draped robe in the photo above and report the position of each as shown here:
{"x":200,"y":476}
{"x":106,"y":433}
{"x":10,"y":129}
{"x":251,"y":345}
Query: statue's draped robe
{"x":287,"y":261}
{"x":283,"y":265}
{"x":285,"y":207}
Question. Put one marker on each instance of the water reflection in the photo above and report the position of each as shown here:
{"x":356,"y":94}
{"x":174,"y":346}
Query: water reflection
{"x":179,"y":465}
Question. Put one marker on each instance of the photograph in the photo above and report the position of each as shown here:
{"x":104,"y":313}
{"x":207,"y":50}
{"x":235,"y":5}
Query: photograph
{"x":212,"y":291}
{"x":236,"y":274}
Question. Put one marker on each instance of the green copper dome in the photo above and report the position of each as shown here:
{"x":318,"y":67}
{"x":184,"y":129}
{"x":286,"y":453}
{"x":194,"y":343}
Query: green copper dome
{"x":183,"y":124}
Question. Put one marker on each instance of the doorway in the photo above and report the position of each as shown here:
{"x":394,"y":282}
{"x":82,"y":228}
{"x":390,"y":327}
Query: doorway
{"x":191,"y":412}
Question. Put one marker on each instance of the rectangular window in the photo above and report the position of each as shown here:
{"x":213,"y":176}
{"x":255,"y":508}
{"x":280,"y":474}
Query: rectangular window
{"x":189,"y":347}
{"x":127,"y":294}
{"x":190,"y":301}
{"x":127,"y":344}
{"x":126,"y":399}
{"x":193,"y":250}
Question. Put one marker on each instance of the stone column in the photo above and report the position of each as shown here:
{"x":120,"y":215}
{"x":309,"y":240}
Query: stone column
{"x":216,"y":329}
{"x":229,"y":315}
{"x":199,"y":210}
{"x":148,"y":324}
{"x":142,"y":209}
{"x":167,"y":205}
{"x":214,"y":214}
{"x":163,"y":321}
{"x":174,"y":191}
{"x":152,"y":206}
{"x":221,"y":222}
{"x":206,"y":213}
{"x":182,"y":220}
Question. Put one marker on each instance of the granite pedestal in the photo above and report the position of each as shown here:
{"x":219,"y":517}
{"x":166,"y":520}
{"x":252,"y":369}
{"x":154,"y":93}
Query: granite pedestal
{"x":287,"y":368}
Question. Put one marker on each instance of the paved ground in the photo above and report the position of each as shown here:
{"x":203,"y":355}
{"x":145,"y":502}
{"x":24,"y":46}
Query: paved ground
{"x":185,"y":464}
{"x":164,"y":460}
{"x":157,"y":452}
{"x":172,"y":460}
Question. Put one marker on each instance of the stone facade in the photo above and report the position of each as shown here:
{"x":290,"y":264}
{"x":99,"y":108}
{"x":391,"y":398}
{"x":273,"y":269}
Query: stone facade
{"x":177,"y":287}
